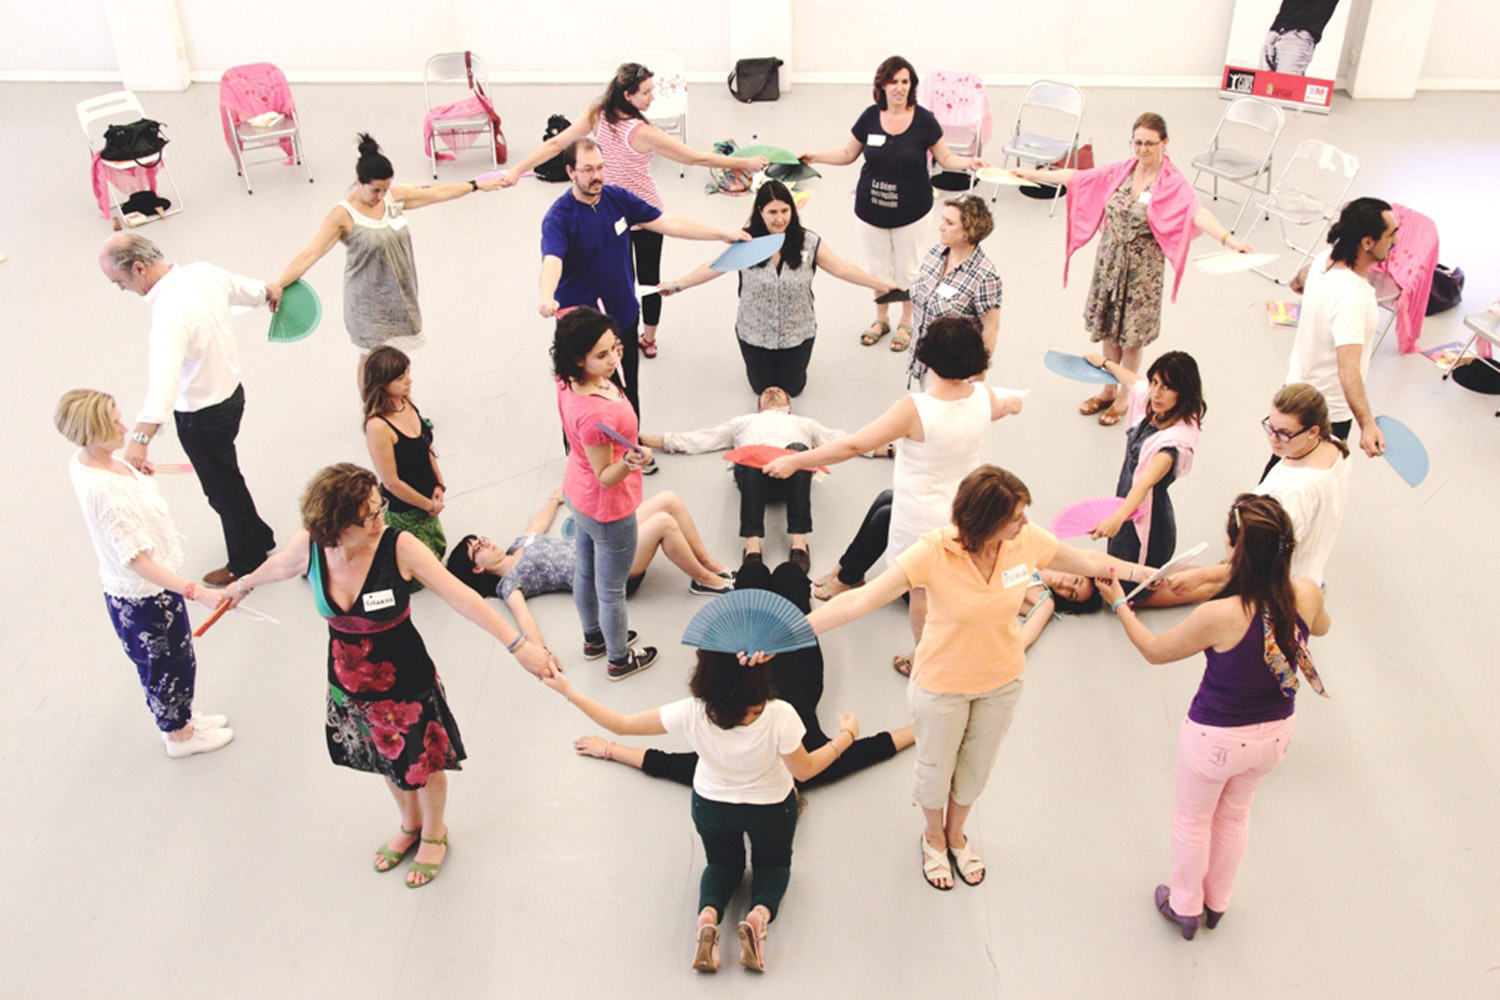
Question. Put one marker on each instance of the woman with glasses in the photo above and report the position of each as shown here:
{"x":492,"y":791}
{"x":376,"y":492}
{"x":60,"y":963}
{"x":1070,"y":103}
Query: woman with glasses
{"x":1149,"y":214}
{"x":628,"y":142}
{"x":1254,"y":637}
{"x":387,"y":713}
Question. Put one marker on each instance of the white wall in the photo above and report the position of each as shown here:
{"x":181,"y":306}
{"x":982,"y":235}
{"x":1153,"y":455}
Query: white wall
{"x":1092,"y":41}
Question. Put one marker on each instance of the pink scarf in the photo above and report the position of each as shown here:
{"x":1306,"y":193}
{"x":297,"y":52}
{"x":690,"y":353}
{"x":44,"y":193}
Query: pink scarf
{"x":1170,"y":212}
{"x":1182,"y":435}
{"x":1410,"y":265}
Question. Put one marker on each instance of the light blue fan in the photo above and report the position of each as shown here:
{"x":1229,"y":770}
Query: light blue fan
{"x":569,"y":529}
{"x":1404,"y":450}
{"x":749,"y":621}
{"x":1074,"y":367}
{"x":747,"y":254}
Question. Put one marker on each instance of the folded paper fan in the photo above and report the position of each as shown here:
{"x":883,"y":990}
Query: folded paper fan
{"x":1232,"y":262}
{"x":1074,"y":367}
{"x":749,"y":621}
{"x":1172,"y":565}
{"x":742,"y":255}
{"x":999,"y":175}
{"x":1079,"y":517}
{"x":1404,"y":450}
{"x":616,"y":436}
{"x":758,"y":456}
{"x":298,"y":314}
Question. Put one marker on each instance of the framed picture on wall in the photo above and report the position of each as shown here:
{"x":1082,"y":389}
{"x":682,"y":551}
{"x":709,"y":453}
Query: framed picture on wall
{"x":1286,"y":51}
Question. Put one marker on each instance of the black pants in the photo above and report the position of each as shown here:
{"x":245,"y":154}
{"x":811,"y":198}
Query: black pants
{"x":869,"y":541}
{"x":798,"y":677}
{"x":1340,"y":430}
{"x":786,"y":367}
{"x":207,"y":435}
{"x":647,"y":247}
{"x":756,"y":488}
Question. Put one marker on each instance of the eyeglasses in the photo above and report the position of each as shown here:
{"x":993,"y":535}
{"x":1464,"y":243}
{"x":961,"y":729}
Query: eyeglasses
{"x":475,"y":544}
{"x":379,"y":514}
{"x":1280,"y":435}
{"x":1145,"y":144}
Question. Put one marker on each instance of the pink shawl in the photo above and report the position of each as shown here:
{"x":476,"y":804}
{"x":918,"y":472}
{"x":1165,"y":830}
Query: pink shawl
{"x":126,"y":178}
{"x":1410,"y":265}
{"x":250,"y":90}
{"x":1182,"y":435}
{"x":1170,"y":213}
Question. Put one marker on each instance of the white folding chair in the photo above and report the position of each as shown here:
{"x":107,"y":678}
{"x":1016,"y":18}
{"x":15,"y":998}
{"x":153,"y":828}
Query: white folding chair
{"x":1307,"y":197}
{"x":1486,"y":325}
{"x":1241,"y":167}
{"x":1057,"y":103}
{"x":96,"y":114}
{"x":669,"y":104}
{"x":247,"y":92}
{"x":1388,"y":299}
{"x":440,"y":74}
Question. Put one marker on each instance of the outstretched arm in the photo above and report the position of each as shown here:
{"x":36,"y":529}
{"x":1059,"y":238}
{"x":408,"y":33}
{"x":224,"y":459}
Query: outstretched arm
{"x":836,"y":157}
{"x":1193,"y":635}
{"x":541,"y":523}
{"x":899,"y":421}
{"x":702,"y":275}
{"x":551,"y":147}
{"x":657,"y":141}
{"x":647,"y":723}
{"x":860,"y":601}
{"x":1209,"y":223}
{"x":845,"y":271}
{"x":1156,"y":469}
{"x":335,"y":224}
{"x":516,"y":602}
{"x":1124,"y":376}
{"x":289,"y":562}
{"x":421,"y":195}
{"x":684,"y":228}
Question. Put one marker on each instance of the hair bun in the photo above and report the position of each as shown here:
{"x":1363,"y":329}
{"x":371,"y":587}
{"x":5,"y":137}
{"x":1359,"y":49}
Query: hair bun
{"x":367,"y":145}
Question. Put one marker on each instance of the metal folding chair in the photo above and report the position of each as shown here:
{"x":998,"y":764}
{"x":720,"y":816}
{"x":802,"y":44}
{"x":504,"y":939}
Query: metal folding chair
{"x":1307,"y":197}
{"x":961,"y":105}
{"x":250,"y":92}
{"x":1487,"y":326}
{"x":442,"y":72}
{"x":97,"y":113}
{"x":1057,"y":102}
{"x":1241,"y":167}
{"x":669,"y":105}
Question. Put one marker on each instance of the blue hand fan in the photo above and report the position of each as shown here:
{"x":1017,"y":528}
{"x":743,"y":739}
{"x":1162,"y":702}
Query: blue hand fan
{"x":569,"y":529}
{"x":749,"y":621}
{"x":1403,"y":450}
{"x":1074,"y":367}
{"x":742,"y":255}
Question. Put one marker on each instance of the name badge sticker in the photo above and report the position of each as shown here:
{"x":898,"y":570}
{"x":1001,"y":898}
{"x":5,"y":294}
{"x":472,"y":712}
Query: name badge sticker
{"x":378,"y":599}
{"x":399,"y":222}
{"x":874,"y":140}
{"x":619,"y":225}
{"x":946,"y":290}
{"x":1145,"y":198}
{"x":1015,"y":575}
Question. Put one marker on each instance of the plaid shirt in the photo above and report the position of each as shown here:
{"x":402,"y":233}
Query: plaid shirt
{"x":975,"y":291}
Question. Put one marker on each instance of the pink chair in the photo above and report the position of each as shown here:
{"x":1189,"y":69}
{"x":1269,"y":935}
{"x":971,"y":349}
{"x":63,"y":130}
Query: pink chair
{"x":249,"y":92}
{"x":961,"y":105}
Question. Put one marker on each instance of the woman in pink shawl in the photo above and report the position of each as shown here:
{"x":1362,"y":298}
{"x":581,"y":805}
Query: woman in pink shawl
{"x":1166,"y":410}
{"x":1150,"y":215}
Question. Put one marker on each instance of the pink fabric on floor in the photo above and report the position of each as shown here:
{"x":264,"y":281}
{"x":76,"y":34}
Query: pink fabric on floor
{"x":1218,"y":772}
{"x":1411,"y":264}
{"x":1170,"y":213}
{"x":126,"y":180}
{"x":250,"y":90}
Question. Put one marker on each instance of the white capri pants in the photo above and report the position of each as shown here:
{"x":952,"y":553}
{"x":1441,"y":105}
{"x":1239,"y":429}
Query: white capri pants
{"x":957,"y":739}
{"x":894,"y":255}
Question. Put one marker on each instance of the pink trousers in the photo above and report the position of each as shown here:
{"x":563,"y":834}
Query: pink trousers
{"x":1218,"y":771}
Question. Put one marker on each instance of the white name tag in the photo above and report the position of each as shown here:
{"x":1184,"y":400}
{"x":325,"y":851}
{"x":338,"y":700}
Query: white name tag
{"x":399,"y":222}
{"x":378,"y":599}
{"x":1015,"y":575}
{"x":874,"y":140}
{"x":1145,"y":198}
{"x":619,"y":225}
{"x":947,"y":291}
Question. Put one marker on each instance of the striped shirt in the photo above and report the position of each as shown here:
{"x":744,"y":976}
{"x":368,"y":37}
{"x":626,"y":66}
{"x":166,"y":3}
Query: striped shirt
{"x":623,"y":166}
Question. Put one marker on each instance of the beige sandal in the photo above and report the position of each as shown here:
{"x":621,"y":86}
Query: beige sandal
{"x":901,"y":341}
{"x":874,"y":332}
{"x":707,"y":957}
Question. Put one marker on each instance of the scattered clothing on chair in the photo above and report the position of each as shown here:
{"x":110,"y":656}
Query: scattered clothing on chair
{"x":1411,"y":264}
{"x":251,"y":90}
{"x":127,"y":179}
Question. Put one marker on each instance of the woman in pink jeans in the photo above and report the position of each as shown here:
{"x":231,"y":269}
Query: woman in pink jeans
{"x":1254,"y":636}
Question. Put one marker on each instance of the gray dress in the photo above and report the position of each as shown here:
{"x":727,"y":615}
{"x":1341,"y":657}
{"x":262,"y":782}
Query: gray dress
{"x":380,"y":281}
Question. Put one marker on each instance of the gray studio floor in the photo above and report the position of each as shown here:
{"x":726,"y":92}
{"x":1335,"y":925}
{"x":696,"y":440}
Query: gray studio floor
{"x":1374,"y":866}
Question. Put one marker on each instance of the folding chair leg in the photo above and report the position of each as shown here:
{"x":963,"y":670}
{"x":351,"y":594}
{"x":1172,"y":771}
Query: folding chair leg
{"x":1460,"y":356}
{"x":682,"y":167}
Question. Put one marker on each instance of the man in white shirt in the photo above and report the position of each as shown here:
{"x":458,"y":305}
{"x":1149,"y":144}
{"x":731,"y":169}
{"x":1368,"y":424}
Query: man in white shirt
{"x":1332,"y":349}
{"x":195,"y":377}
{"x":772,"y":424}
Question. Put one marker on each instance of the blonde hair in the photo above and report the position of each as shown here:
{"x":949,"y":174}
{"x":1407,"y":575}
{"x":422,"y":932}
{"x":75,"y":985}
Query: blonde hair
{"x":83,"y":417}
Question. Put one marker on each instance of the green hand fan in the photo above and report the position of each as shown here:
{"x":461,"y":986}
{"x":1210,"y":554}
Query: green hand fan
{"x":749,"y":621}
{"x":773,"y":153}
{"x":298,"y":315}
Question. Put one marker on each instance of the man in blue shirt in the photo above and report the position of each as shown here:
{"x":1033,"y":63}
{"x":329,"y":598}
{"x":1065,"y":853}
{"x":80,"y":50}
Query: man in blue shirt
{"x":586,"y":250}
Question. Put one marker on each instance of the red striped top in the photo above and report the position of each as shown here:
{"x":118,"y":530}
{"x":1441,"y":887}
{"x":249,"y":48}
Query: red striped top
{"x":623,"y":166}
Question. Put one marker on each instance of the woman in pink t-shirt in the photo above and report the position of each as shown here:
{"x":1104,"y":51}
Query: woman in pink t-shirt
{"x":602,"y":483}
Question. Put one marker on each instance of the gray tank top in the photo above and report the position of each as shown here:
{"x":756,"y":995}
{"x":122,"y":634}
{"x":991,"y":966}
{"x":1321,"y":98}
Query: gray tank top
{"x":380,"y":278}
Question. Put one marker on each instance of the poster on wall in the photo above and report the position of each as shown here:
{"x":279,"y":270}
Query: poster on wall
{"x":1285,"y":51}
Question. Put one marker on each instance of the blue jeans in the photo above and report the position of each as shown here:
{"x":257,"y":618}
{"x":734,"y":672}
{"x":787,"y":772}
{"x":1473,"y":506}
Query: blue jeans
{"x":601,"y":568}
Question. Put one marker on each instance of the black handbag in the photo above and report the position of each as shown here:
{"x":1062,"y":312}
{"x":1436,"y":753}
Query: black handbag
{"x":1447,"y":289}
{"x":756,"y":79}
{"x":137,"y":140}
{"x":554,"y":169}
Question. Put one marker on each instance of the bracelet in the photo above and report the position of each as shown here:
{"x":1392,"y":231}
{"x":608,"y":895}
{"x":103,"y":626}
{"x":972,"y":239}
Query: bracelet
{"x":515,"y":643}
{"x":571,"y":693}
{"x":676,"y":287}
{"x":190,"y":592}
{"x":1115,"y":607}
{"x":473,"y":186}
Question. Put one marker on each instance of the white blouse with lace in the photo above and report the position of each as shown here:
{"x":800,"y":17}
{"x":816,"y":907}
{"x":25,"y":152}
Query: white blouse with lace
{"x":126,"y":516}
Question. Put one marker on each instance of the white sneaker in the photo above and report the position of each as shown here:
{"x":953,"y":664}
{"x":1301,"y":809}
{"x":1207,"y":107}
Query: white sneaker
{"x":208,"y":721}
{"x":202,"y":741}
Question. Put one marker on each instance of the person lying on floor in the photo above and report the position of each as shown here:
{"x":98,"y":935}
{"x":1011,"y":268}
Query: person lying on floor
{"x":774,"y":424}
{"x":798,"y":679}
{"x":537,"y":563}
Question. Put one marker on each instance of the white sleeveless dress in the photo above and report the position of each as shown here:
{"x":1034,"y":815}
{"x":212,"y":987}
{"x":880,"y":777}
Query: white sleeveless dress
{"x":928,"y":472}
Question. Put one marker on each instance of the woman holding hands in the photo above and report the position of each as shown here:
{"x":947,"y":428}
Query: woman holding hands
{"x":399,"y":440}
{"x":1150,"y":215}
{"x":894,"y":195}
{"x":1254,"y":637}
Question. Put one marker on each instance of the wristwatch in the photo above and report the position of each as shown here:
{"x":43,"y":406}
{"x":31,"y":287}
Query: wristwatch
{"x":140,"y":438}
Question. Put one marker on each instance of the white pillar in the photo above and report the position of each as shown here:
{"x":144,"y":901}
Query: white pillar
{"x":1387,"y":58}
{"x":148,"y":44}
{"x":763,"y":28}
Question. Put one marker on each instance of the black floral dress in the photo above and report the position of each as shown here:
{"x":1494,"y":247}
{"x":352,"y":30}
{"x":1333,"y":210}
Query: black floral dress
{"x":386,"y":710}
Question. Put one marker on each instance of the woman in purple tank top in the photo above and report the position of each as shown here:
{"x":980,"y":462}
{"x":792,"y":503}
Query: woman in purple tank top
{"x":1254,"y":636}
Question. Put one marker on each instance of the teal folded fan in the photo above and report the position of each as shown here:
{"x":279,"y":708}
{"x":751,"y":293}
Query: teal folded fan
{"x":749,"y":621}
{"x":298,"y":314}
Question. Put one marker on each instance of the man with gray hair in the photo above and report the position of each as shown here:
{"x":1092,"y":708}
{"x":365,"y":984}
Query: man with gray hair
{"x":195,"y":377}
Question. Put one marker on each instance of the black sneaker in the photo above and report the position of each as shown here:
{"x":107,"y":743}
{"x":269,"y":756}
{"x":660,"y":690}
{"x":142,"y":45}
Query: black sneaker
{"x":699,"y":590}
{"x":594,"y":650}
{"x":637,"y":662}
{"x":650,"y":468}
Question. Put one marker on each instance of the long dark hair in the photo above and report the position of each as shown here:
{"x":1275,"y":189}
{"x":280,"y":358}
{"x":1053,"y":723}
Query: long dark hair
{"x":372,"y":165}
{"x":1260,"y":568}
{"x":1360,"y":218}
{"x":728,"y":691}
{"x":628,"y":79}
{"x":1179,"y":372}
{"x":791,"y":249}
{"x":383,"y":366}
{"x":576,"y":334}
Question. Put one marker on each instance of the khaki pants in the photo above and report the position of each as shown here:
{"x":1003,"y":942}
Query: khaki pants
{"x":958,"y":737}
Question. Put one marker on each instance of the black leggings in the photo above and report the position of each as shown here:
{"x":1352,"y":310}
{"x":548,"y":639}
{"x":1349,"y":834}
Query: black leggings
{"x":784,"y":367}
{"x":798,"y":677}
{"x":869,"y":541}
{"x":647,"y":247}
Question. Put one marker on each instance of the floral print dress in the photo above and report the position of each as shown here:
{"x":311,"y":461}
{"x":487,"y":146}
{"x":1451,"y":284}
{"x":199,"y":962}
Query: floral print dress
{"x":1124,"y":303}
{"x":386,"y":710}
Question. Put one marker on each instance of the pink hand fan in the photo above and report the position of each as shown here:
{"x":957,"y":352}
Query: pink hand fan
{"x":1078,"y":518}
